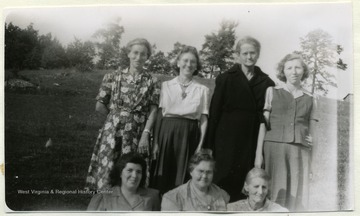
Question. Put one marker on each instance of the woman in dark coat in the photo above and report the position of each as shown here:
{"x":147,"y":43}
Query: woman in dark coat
{"x":235,"y":117}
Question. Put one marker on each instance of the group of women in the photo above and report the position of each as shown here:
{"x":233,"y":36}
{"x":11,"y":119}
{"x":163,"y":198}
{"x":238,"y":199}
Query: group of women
{"x":249,"y":122}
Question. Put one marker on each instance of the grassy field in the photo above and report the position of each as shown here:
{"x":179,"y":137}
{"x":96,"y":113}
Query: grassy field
{"x":63,"y":109}
{"x":64,"y":113}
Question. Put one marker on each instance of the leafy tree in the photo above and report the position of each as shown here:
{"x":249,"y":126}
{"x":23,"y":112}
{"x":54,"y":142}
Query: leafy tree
{"x":123,"y":60}
{"x":21,"y":47}
{"x":217,"y":50}
{"x":25,"y":48}
{"x":81,"y":55}
{"x":171,"y":57}
{"x":340,"y":64}
{"x":321,"y":54}
{"x":158,"y":63}
{"x":33,"y":54}
{"x":11,"y":34}
{"x":108,"y":44}
{"x":53,"y":53}
{"x":33,"y":58}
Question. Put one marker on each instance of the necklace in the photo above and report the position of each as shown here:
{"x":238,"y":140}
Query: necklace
{"x":183,"y":95}
{"x":184,"y":84}
{"x":183,"y":87}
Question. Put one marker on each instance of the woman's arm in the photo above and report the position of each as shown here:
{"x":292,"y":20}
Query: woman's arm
{"x":312,"y":123}
{"x":143,"y":147}
{"x":101,"y":108}
{"x":104,"y":95}
{"x":259,"y":159}
{"x":203,"y":126}
{"x":155,"y":149}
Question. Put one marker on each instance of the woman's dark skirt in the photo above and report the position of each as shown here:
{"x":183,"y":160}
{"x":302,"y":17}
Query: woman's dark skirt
{"x":178,"y":140}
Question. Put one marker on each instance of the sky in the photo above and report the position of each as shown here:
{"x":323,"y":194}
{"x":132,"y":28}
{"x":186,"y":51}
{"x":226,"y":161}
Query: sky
{"x":278,"y":27}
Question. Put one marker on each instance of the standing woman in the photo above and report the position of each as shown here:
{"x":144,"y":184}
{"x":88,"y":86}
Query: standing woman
{"x":129,"y":98}
{"x":184,"y":106}
{"x":287,"y":145}
{"x":235,"y":117}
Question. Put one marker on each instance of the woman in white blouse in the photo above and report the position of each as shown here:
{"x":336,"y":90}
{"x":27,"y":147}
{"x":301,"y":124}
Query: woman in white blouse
{"x":184,"y":105}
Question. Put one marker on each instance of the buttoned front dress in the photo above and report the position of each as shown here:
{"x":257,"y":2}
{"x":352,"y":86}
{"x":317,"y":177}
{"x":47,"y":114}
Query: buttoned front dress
{"x":287,"y":159}
{"x":128,"y":98}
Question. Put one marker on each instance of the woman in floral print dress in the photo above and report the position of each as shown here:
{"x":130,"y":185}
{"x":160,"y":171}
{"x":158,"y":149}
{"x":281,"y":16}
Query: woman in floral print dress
{"x":129,"y":98}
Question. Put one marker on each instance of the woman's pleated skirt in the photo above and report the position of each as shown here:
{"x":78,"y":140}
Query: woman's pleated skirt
{"x":178,"y":140}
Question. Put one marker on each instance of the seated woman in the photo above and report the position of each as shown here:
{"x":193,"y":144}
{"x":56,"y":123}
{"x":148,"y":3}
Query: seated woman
{"x":127,"y":192}
{"x":256,"y":189}
{"x":199,"y":193}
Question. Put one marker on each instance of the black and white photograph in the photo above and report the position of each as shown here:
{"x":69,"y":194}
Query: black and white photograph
{"x":201,"y":108}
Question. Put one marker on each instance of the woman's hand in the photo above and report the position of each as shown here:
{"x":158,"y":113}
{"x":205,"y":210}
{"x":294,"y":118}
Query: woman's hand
{"x":155,"y":151}
{"x":309,"y":141}
{"x":259,"y":158}
{"x":259,"y":161}
{"x":101,"y":108}
{"x":198,"y":148}
{"x":143,"y":147}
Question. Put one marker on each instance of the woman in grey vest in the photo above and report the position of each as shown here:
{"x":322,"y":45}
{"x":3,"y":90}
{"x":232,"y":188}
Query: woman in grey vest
{"x":285,"y":138}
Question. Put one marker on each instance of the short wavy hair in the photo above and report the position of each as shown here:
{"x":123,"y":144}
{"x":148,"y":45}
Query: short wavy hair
{"x":115,"y":174}
{"x":202,"y":155}
{"x":255,"y":173}
{"x":139,"y":41}
{"x":280,"y":74}
{"x":248,"y":40}
{"x":192,"y":50}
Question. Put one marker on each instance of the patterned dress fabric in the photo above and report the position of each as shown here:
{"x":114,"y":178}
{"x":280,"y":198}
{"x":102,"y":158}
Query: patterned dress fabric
{"x":128,"y":99}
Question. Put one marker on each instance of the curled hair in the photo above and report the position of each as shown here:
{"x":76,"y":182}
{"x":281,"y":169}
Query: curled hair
{"x":255,"y":173}
{"x":115,"y":174}
{"x":280,"y":74}
{"x":248,"y":40}
{"x":192,"y":50}
{"x":139,"y":41}
{"x":202,"y":155}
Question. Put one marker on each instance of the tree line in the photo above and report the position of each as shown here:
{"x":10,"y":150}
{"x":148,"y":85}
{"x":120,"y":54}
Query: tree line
{"x":27,"y":49}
